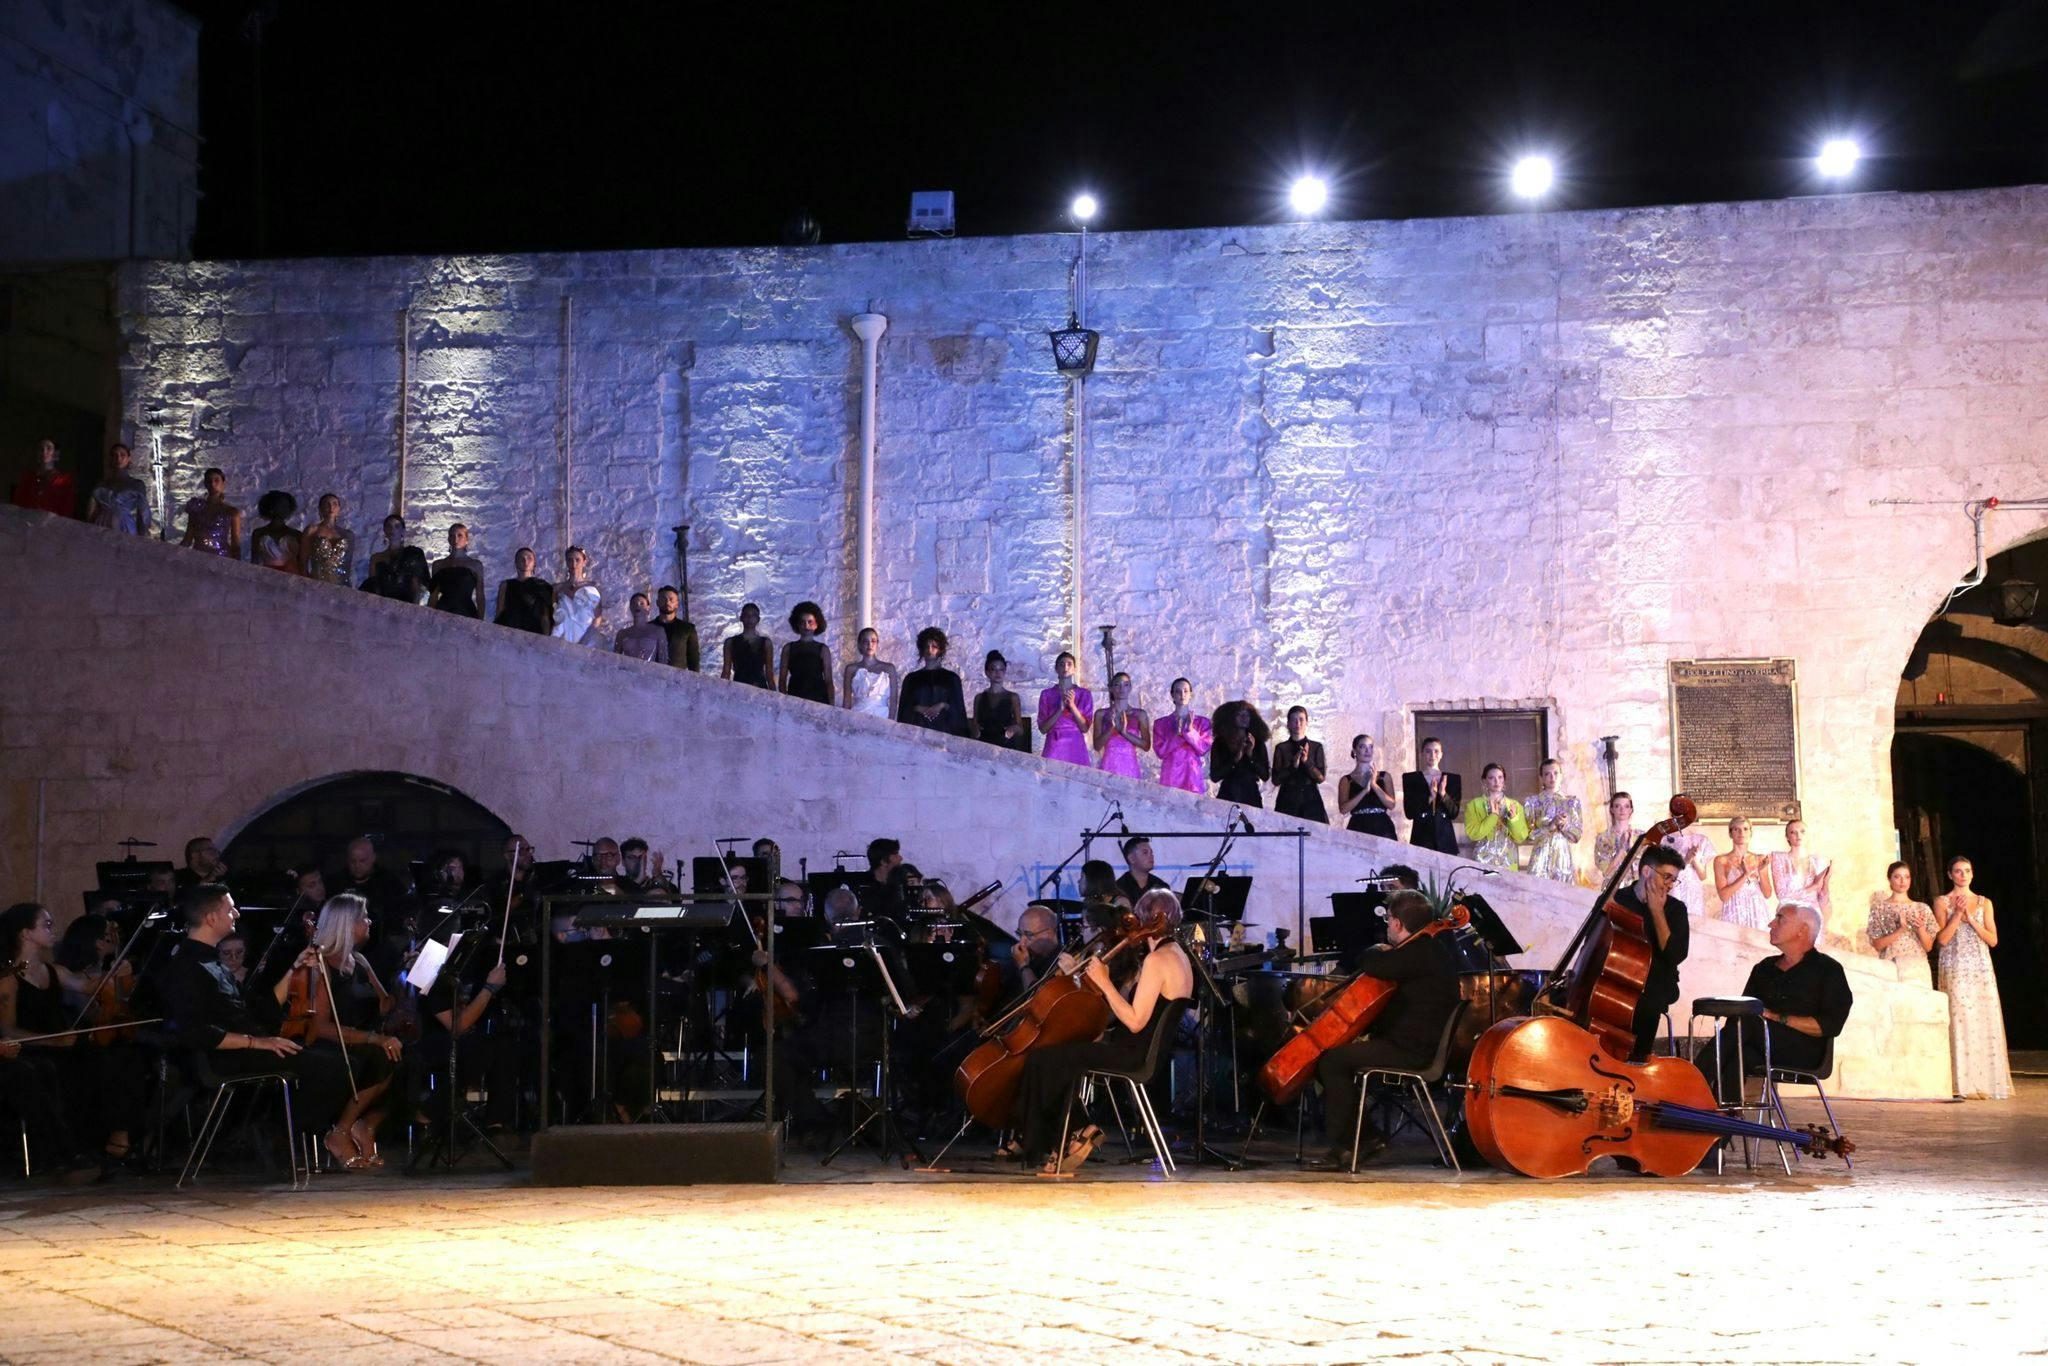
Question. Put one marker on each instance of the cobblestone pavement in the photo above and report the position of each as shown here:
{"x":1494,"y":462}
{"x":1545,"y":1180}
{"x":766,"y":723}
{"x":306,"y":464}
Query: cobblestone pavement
{"x":1927,"y":1251}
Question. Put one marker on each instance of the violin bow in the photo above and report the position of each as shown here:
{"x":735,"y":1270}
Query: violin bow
{"x":511,"y":881}
{"x":107,"y":974}
{"x":76,"y":1033}
{"x":334,"y":1015}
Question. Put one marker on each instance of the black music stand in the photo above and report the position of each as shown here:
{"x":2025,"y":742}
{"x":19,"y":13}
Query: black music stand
{"x":1225,"y":903}
{"x":860,"y":971}
{"x":1489,"y":927}
{"x":441,"y":1149}
{"x":1359,"y":922}
{"x":125,"y":875}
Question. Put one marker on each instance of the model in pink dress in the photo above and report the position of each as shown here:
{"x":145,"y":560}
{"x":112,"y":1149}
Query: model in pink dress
{"x":1182,"y":741}
{"x":1121,"y":730}
{"x":1064,"y":713}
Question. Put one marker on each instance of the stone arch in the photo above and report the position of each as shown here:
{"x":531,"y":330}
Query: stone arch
{"x":309,"y":823}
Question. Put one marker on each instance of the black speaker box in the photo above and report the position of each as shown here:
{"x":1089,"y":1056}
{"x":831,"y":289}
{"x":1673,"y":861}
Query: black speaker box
{"x":656,"y":1154}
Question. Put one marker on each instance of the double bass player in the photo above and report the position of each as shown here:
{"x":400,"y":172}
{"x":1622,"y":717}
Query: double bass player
{"x":1425,"y":970}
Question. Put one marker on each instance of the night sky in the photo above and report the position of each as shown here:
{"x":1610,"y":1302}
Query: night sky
{"x":368,"y":128}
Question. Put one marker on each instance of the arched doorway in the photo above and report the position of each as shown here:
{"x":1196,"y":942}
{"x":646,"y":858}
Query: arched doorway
{"x":1970,"y":766}
{"x":409,"y":817}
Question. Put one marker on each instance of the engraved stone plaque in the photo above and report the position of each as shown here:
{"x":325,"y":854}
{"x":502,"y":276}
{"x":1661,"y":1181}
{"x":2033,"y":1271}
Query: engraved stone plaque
{"x":1735,"y":736}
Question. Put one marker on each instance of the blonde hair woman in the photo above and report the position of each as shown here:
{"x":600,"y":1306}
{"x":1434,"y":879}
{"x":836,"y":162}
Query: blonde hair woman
{"x":348,"y":1003}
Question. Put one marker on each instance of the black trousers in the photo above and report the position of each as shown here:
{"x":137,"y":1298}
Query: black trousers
{"x":1051,"y":1075}
{"x":1338,"y":1071}
{"x":1742,"y":1050}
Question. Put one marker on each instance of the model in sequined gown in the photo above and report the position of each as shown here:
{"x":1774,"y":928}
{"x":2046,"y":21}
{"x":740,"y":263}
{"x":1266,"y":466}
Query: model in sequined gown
{"x":1743,"y":880}
{"x":1556,"y":824}
{"x":1976,"y":1021}
{"x":1901,"y":929}
{"x":212,"y":523}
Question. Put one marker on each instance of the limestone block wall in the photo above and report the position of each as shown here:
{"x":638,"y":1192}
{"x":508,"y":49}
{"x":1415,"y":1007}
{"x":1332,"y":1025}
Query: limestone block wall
{"x":160,"y":693}
{"x":1369,"y":467}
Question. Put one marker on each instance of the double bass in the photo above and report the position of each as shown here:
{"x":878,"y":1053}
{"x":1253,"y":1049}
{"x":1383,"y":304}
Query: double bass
{"x":1064,"y":1008}
{"x":1603,"y":971}
{"x":1347,"y":1013}
{"x":1545,"y":1097}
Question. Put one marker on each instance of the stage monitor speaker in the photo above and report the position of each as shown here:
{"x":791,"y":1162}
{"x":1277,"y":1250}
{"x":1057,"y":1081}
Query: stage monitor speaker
{"x":656,"y":1154}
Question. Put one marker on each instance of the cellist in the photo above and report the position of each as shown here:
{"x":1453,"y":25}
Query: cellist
{"x":1165,"y":986}
{"x":1425,"y":967}
{"x":1668,"y":927}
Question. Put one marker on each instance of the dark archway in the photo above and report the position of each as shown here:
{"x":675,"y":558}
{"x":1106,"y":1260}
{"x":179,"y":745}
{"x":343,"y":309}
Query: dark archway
{"x":409,"y":817}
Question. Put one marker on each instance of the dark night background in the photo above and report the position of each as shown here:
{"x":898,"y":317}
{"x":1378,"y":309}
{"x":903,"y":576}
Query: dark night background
{"x":364,"y":128}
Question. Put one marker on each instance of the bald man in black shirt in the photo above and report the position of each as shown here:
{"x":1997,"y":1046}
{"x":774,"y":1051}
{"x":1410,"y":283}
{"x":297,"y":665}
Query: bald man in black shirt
{"x":1806,"y":1000}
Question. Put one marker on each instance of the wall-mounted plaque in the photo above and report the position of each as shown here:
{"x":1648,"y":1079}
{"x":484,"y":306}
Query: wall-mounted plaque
{"x":1735,"y":736}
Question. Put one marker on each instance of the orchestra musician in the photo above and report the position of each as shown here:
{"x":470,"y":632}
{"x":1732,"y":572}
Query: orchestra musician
{"x":204,"y":1010}
{"x":203,"y":863}
{"x":1806,"y":1000}
{"x":1138,"y":878}
{"x":640,"y":873}
{"x":1164,"y":988}
{"x":1036,"y":951}
{"x":1668,"y":926}
{"x":348,"y":1004}
{"x":1425,"y":967}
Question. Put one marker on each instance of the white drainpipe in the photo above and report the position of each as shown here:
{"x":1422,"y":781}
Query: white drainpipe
{"x":869,"y":327}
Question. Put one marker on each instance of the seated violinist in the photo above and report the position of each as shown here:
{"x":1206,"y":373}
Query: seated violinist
{"x":1669,"y":930}
{"x":1806,"y":1000}
{"x":1407,"y":1031}
{"x":472,"y":982}
{"x":1164,"y":988}
{"x":204,"y":1010}
{"x":348,"y":1004}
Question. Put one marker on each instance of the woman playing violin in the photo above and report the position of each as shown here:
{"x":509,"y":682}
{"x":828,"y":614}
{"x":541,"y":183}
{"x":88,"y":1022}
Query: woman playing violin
{"x":102,"y":1086}
{"x":347,"y":1003}
{"x":1165,"y":985}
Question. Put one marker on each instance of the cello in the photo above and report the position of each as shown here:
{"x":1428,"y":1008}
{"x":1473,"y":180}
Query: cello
{"x":1064,"y":1008}
{"x":1544,"y":1097}
{"x":1347,"y":1013}
{"x":1606,"y":966}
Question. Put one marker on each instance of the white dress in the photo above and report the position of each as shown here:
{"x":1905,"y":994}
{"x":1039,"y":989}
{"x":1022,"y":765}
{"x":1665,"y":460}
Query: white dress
{"x":1976,"y":1024}
{"x":1691,"y":845}
{"x":1746,"y":906}
{"x":576,"y":615}
{"x":1798,"y":883}
{"x":870,"y":689}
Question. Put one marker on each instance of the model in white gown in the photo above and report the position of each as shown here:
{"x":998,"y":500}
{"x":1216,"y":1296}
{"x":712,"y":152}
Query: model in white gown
{"x":1976,"y":1023}
{"x":1697,"y":850}
{"x":1742,"y":880}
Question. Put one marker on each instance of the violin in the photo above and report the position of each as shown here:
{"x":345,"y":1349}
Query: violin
{"x":1545,"y":1097}
{"x":300,"y":1022}
{"x":1605,"y":980}
{"x":1347,"y":1013}
{"x":1065,"y":1007}
{"x":108,"y":1006}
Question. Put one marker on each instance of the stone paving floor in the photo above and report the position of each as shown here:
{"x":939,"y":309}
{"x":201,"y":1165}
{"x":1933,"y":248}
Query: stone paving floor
{"x":1935,"y":1246}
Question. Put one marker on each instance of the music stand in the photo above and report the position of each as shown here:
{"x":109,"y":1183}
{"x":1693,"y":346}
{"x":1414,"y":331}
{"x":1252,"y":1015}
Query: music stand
{"x":1487,"y":924}
{"x":860,"y":971}
{"x":440,"y":1150}
{"x":124,"y":875}
{"x":1226,"y":903}
{"x":1360,"y":923}
{"x":707,"y":873}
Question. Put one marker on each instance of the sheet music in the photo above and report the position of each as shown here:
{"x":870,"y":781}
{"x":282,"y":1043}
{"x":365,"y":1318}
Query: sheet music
{"x":433,"y":956}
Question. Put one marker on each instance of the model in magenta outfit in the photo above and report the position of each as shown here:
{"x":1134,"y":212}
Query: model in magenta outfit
{"x":1064,"y":713}
{"x":1182,"y":741}
{"x":1121,"y":730}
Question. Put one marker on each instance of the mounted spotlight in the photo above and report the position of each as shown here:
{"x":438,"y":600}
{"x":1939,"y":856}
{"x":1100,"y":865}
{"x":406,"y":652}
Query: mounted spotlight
{"x":2018,"y":601}
{"x":1308,"y":196}
{"x":1532,"y":177}
{"x":1837,"y":158}
{"x":1073,"y":347}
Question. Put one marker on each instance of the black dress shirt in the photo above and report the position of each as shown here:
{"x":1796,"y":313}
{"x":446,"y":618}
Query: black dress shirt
{"x":201,"y":1003}
{"x":1816,"y":986}
{"x":1426,"y":966}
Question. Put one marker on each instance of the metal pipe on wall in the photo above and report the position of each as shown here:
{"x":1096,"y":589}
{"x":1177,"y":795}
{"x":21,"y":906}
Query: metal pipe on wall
{"x":869,"y":327}
{"x":404,"y":407}
{"x":568,"y":418}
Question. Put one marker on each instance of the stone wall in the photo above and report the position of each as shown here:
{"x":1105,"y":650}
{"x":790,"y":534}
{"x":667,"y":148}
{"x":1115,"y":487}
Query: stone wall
{"x":160,"y":693}
{"x":100,"y":99}
{"x":1368,"y":467}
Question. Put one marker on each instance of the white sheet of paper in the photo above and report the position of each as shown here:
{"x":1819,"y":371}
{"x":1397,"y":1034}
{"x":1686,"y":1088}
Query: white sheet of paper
{"x":426,"y":968}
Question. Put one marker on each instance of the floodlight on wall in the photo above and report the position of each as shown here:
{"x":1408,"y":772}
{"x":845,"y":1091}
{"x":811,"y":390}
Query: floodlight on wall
{"x":1073,"y":347}
{"x":2018,"y":600}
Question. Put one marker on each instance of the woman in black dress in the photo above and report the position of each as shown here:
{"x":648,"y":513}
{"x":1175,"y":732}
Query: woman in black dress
{"x":458,"y":580}
{"x":747,"y":654}
{"x":526,"y":602}
{"x":1238,"y":763}
{"x":348,"y":1005}
{"x":101,"y":1083}
{"x":807,"y":661}
{"x":1366,"y":794}
{"x":998,"y":712}
{"x":1432,"y":799}
{"x":1299,"y":768}
{"x":1164,"y":987}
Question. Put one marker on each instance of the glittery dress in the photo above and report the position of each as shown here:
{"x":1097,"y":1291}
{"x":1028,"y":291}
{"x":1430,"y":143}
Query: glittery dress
{"x":1976,"y":1024}
{"x":210,"y":524}
{"x":1496,"y":840}
{"x":1553,"y":852}
{"x":1746,"y":906}
{"x":1608,"y":847}
{"x":1889,"y":917}
{"x":1797,"y":881}
{"x":327,"y":559}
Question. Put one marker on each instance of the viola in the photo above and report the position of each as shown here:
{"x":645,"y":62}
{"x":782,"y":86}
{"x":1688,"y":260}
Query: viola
{"x":300,"y":1022}
{"x":1605,"y":980}
{"x":1347,"y":1013}
{"x":1064,"y":1008}
{"x":1546,"y":1098}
